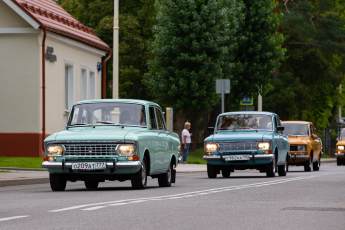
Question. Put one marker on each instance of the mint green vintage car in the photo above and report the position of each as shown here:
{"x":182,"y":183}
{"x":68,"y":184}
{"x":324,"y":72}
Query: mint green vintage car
{"x":112,"y":140}
{"x":247,"y":140}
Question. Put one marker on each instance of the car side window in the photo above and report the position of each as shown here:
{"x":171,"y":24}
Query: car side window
{"x":160,"y":119}
{"x":152,"y":117}
{"x":275,"y":123}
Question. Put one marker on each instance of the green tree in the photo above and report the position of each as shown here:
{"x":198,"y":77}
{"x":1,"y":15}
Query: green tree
{"x":194,"y":43}
{"x":306,"y":86}
{"x":260,"y":52}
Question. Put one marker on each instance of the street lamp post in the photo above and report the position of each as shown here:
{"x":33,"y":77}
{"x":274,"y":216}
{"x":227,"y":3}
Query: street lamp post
{"x":116,"y":50}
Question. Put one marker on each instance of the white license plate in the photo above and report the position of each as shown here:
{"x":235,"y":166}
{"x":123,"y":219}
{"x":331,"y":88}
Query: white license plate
{"x":88,"y":165}
{"x":237,"y":158}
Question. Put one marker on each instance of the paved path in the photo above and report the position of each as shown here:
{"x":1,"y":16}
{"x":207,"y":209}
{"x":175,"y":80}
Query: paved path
{"x":247,"y":200}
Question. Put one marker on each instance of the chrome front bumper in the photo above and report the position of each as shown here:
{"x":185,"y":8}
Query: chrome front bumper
{"x":251,"y":157}
{"x":136,"y":165}
{"x":299,"y":156}
{"x":339,"y":154}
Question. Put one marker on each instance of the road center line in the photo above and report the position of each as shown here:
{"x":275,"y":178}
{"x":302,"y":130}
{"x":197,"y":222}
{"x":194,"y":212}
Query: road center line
{"x":12,"y":218}
{"x":179,"y":196}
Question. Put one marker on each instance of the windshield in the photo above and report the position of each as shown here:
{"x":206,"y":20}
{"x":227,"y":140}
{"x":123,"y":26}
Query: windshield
{"x":245,"y":121}
{"x":108,"y":113}
{"x":291,"y":129}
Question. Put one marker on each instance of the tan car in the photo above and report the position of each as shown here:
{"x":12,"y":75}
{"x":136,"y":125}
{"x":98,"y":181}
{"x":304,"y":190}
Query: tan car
{"x":340,"y":152}
{"x":305,"y":145}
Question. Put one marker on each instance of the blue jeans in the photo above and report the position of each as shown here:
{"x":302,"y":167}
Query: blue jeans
{"x":185,"y":152}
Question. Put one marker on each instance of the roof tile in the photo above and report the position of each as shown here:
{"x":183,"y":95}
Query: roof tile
{"x":54,"y":18}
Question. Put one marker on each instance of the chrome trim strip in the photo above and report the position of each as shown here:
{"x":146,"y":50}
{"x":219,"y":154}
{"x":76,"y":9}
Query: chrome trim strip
{"x":207,"y":157}
{"x":128,"y":164}
{"x":264,"y":156}
{"x":50,"y":164}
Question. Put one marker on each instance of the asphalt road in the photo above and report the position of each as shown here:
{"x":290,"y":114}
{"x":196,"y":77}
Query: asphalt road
{"x":247,"y":200}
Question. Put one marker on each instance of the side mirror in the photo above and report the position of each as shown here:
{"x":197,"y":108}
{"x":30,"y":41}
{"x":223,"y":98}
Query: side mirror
{"x":314,"y":136}
{"x":280,"y":128}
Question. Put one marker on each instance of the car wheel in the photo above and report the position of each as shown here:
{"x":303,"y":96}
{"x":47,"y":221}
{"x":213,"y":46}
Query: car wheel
{"x":211,"y":171}
{"x":226,"y":173}
{"x":339,"y":161}
{"x":139,"y":180}
{"x":165,"y":180}
{"x":91,"y":184}
{"x":271,"y":169}
{"x":316,"y":165}
{"x":307,"y":165}
{"x":57,"y":182}
{"x":282,"y":169}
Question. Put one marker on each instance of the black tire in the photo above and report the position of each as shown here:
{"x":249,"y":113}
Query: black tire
{"x":226,"y":173}
{"x":271,"y":169}
{"x":308,"y":165}
{"x":139,"y":180}
{"x":339,"y":161}
{"x":165,"y":180}
{"x":282,"y":169}
{"x":57,"y":182}
{"x":211,"y":171}
{"x":91,"y":184}
{"x":316,"y":165}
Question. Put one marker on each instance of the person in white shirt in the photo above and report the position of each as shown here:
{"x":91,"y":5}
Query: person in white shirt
{"x":186,"y":141}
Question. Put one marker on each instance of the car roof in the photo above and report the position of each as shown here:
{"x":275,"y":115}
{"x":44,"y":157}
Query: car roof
{"x":134,"y":101}
{"x":248,"y":112}
{"x":297,"y":122}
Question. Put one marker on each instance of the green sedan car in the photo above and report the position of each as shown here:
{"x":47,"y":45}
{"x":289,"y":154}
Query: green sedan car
{"x":112,"y":140}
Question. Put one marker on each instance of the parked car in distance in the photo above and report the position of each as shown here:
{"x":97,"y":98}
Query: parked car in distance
{"x":246,"y":140}
{"x":112,"y":140}
{"x":305,"y":145}
{"x":340,"y":148}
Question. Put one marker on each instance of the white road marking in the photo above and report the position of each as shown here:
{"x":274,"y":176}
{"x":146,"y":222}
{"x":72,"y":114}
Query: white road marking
{"x":97,"y":206}
{"x":93,"y":208}
{"x":12,"y":218}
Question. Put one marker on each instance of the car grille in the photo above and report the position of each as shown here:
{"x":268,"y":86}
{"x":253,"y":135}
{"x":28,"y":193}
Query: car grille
{"x":237,"y":146}
{"x":90,"y":149}
{"x":293,"y":148}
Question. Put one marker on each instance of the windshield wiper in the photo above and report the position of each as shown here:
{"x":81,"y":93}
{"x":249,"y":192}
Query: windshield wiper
{"x":78,"y":124}
{"x":106,"y":122}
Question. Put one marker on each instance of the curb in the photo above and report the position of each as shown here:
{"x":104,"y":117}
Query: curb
{"x":23,"y":169}
{"x":31,"y":181}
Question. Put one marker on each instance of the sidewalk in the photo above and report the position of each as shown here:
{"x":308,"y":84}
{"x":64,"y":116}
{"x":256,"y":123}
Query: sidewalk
{"x":16,"y":176}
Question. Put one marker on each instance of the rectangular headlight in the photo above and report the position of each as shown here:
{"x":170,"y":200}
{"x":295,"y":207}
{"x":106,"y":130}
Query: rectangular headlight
{"x":55,"y":150}
{"x":211,"y":147}
{"x":125,"y":149}
{"x":264,"y":146}
{"x":341,"y":147}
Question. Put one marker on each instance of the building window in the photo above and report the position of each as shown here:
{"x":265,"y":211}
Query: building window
{"x":83,"y":84}
{"x":69,"y":87}
{"x":92,"y":85}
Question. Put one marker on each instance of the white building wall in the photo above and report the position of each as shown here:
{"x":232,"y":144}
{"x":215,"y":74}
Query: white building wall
{"x":19,"y":75}
{"x":80,"y":57}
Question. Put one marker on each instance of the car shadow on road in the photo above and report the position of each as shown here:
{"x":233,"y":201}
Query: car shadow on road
{"x":108,"y":189}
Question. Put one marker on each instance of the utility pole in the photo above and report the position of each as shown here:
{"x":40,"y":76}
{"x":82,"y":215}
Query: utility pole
{"x":116,"y":50}
{"x":260,"y":99}
{"x":340,"y":119}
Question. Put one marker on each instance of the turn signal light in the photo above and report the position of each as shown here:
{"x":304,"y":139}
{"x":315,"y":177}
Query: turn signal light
{"x":133,"y":158}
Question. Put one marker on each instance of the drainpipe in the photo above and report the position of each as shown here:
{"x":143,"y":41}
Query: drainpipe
{"x":104,"y":74}
{"x":43,"y":87}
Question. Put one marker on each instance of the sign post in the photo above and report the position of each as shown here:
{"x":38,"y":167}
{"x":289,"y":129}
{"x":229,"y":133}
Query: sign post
{"x":223,"y":87}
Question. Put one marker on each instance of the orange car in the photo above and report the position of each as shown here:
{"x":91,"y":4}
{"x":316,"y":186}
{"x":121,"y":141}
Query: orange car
{"x":340,"y":151}
{"x":305,"y":145}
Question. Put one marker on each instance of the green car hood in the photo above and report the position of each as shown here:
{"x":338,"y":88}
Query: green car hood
{"x":97,"y":133}
{"x":239,"y":136}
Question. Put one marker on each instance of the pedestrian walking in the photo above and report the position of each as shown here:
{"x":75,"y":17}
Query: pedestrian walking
{"x":186,"y":141}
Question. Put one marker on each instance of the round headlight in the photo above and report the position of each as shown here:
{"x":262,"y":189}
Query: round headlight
{"x":341,"y":147}
{"x":126,"y":149}
{"x":211,"y":147}
{"x":264,"y":146}
{"x":55,"y":150}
